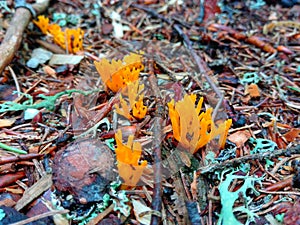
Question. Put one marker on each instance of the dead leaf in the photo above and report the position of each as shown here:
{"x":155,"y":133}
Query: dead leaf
{"x":49,"y":71}
{"x":246,"y":99}
{"x":106,"y":28}
{"x":239,"y":137}
{"x":210,"y":9}
{"x":7,"y":92}
{"x":139,"y":208}
{"x":7,"y":122}
{"x":62,"y":59}
{"x":292,"y":134}
{"x":252,"y":90}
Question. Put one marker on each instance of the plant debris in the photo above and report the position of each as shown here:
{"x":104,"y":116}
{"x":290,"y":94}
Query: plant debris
{"x":152,"y":112}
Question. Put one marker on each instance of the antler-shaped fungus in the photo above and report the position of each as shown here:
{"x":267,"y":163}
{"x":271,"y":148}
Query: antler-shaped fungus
{"x":73,"y":37}
{"x":193,"y":129}
{"x":128,"y":159}
{"x":117,"y":74}
{"x":135,"y":102}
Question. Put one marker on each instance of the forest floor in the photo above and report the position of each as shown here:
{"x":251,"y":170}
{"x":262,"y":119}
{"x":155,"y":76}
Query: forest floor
{"x":150,"y":112}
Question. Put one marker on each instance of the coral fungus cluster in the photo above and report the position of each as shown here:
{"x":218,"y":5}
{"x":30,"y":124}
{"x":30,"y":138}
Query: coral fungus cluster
{"x":72,"y":38}
{"x":192,"y":128}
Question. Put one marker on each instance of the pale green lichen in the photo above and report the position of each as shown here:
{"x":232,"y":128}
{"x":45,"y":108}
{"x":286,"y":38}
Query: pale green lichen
{"x":119,"y":199}
{"x":48,"y":102}
{"x":249,"y":78}
{"x":257,"y":4}
{"x":97,"y":208}
{"x":228,"y":199}
{"x":262,"y":145}
{"x":2,"y":214}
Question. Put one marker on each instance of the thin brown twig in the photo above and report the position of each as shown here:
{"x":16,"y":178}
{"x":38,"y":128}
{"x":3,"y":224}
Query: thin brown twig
{"x":282,"y":162}
{"x":203,"y":69}
{"x":184,"y":184}
{"x":101,"y":215}
{"x":210,"y":207}
{"x":10,"y":159}
{"x":202,"y":66}
{"x":157,"y":168}
{"x":157,"y":140}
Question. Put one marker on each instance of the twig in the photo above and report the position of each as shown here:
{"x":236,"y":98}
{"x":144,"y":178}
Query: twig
{"x":13,"y":36}
{"x":157,"y":191}
{"x":260,"y":156}
{"x":202,"y":66}
{"x":203,"y":69}
{"x":98,"y":118}
{"x":219,"y":104}
{"x":28,"y":90}
{"x":281,"y":162}
{"x":38,"y":217}
{"x":157,"y":167}
{"x":10,"y":159}
{"x":51,"y":47}
{"x":101,"y":215}
{"x":34,"y":191}
{"x":279,"y":192}
{"x":15,"y":80}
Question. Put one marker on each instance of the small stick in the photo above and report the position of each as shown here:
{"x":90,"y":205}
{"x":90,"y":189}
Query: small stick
{"x":157,"y":140}
{"x":10,"y":159}
{"x":279,"y":192}
{"x":202,"y":66}
{"x":101,"y":215}
{"x":38,"y":217}
{"x":51,"y":47}
{"x":260,"y":156}
{"x":15,"y":80}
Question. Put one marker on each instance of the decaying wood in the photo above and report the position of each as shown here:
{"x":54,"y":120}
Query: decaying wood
{"x":13,"y":36}
{"x":34,"y":191}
